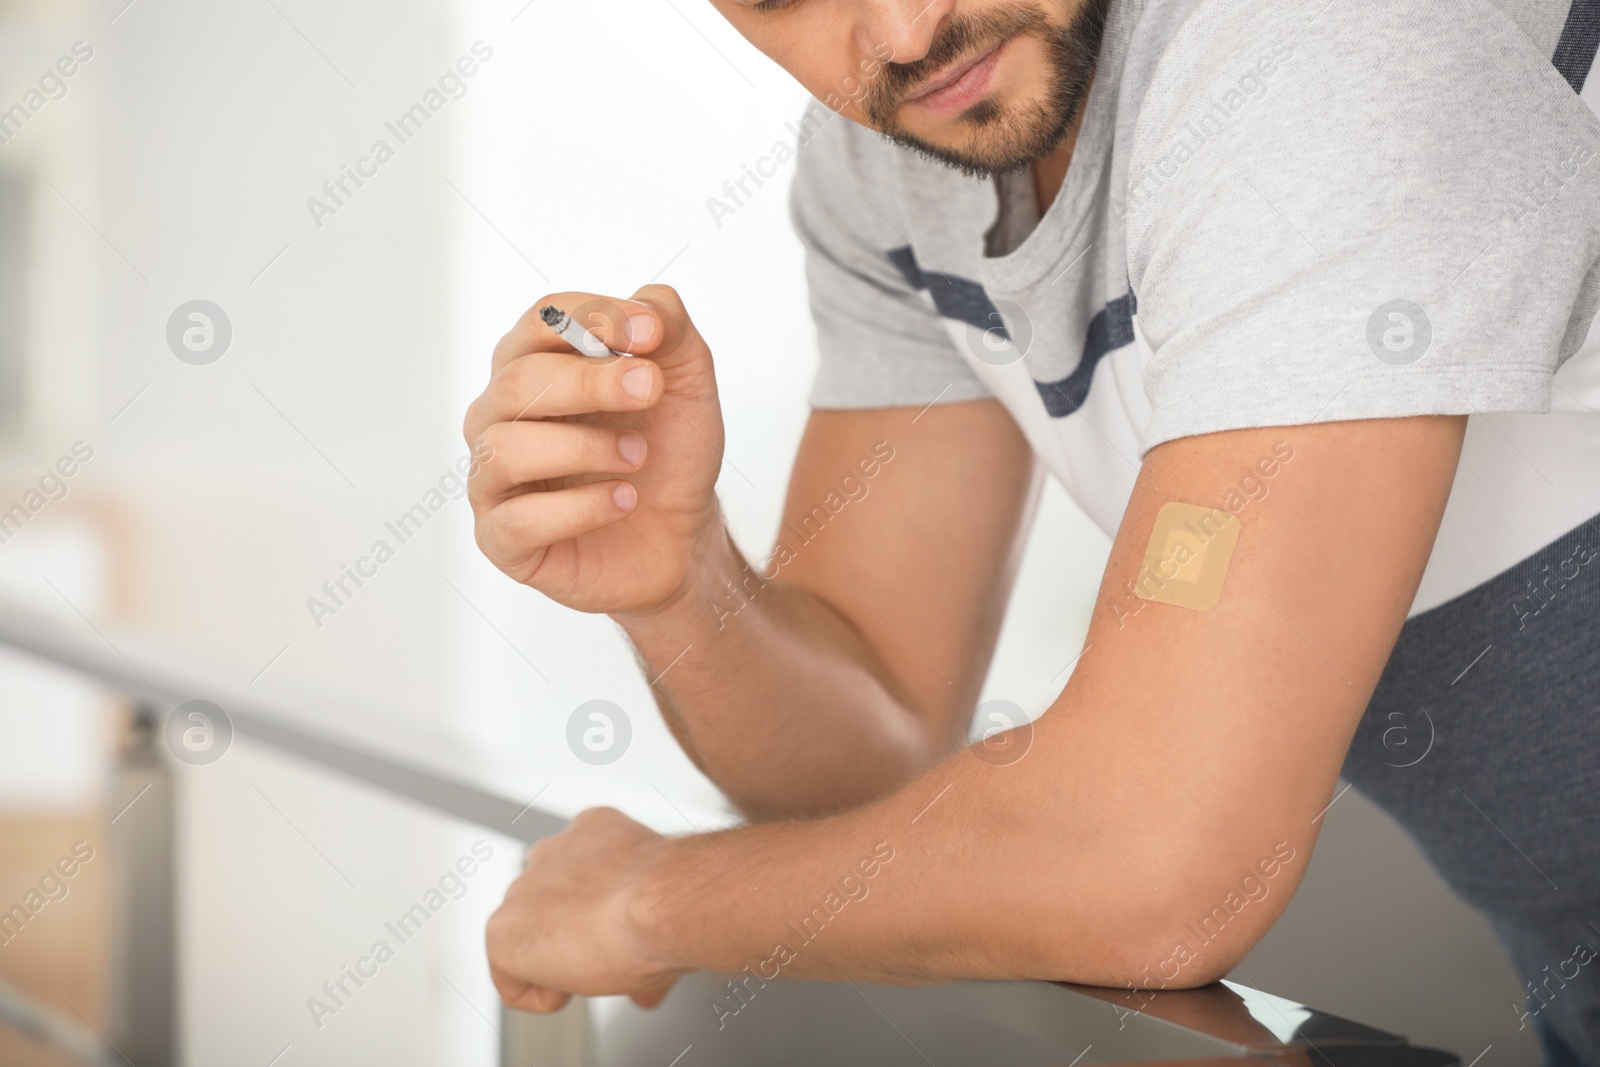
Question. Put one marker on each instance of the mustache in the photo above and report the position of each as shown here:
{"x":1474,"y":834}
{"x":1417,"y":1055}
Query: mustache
{"x":959,"y":37}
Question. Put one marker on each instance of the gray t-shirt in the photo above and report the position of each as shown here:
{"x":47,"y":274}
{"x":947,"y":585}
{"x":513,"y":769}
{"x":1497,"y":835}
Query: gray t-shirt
{"x":1279,"y":214}
{"x":1275,"y":214}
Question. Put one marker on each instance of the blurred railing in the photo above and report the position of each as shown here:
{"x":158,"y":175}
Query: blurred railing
{"x":143,"y":981}
{"x":1227,"y":1023}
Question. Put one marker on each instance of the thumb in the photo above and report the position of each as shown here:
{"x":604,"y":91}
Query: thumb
{"x":676,"y":325}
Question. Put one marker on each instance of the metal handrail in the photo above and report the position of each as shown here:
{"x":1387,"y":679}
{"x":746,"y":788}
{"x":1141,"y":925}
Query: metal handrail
{"x":155,"y":684}
{"x":1221,"y":1012}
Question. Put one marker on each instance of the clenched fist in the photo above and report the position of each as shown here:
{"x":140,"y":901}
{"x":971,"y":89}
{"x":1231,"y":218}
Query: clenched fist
{"x":569,"y":923}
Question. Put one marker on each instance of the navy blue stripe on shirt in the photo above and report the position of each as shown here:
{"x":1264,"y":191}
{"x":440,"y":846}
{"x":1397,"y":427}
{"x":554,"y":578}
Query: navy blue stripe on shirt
{"x":955,"y":297}
{"x":1109,"y":330}
{"x":1580,"y":40}
{"x":964,"y":300}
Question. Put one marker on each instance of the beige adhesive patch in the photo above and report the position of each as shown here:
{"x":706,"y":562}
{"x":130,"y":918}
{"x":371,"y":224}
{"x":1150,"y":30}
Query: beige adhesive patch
{"x":1188,"y":556}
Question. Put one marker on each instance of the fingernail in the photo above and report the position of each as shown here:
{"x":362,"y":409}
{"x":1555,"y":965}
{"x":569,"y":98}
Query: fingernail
{"x":641,"y":328}
{"x":631,"y":445}
{"x":636,"y":383}
{"x":625,"y":496}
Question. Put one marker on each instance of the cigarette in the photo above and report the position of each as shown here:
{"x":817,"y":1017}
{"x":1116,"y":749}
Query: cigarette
{"x":574,"y":333}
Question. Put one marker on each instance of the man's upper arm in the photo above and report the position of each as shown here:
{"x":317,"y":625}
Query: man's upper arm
{"x":910,"y":524}
{"x":1200,"y":738}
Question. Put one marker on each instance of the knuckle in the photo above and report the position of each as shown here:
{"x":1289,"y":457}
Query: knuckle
{"x":482,"y":535}
{"x":521,"y":381}
{"x":485,"y":478}
{"x":495,"y":534}
{"x":514,"y":377}
{"x":521,"y":526}
{"x":482,"y":453}
{"x":665,"y":293}
{"x":531,"y":520}
{"x":593,"y":816}
{"x":503,"y":348}
{"x":490,"y":537}
{"x":488,"y":445}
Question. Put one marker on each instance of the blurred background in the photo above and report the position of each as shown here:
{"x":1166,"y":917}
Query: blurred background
{"x":194,"y":154}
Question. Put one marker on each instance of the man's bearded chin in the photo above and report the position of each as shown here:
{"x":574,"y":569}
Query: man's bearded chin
{"x":1001,"y":138}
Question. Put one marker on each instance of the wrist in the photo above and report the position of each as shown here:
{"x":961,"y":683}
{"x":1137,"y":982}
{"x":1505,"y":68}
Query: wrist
{"x":711,"y":557}
{"x":655,"y":906}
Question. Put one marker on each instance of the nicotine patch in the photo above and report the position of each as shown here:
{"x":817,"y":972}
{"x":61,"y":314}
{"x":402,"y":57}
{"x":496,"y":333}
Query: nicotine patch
{"x":1188,"y":555}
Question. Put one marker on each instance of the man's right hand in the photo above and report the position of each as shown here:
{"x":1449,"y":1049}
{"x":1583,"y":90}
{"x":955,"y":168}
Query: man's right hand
{"x":865,"y":656}
{"x":598,"y":488}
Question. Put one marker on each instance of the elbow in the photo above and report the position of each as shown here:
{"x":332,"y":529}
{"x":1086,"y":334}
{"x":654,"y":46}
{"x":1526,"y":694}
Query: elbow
{"x":1203,"y":925}
{"x":1181,"y":936}
{"x":1160,"y":951}
{"x":1195,"y":937}
{"x":818,"y":798}
{"x":799,"y":794}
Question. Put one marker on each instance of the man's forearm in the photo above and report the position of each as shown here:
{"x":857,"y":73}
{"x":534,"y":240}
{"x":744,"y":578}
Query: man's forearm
{"x":971,"y":871}
{"x":1047,"y":869}
{"x":774,"y":694}
{"x":875,"y":894}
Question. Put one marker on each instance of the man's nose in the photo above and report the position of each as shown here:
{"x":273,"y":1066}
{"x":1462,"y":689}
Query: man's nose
{"x":899,"y":31}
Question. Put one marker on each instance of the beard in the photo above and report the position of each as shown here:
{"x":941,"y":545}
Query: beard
{"x":998,"y":139}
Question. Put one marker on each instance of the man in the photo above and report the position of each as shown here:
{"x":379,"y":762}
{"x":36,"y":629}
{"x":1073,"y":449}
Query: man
{"x":1293,"y":298}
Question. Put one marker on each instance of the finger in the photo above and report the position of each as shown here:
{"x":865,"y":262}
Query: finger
{"x":513,"y":529}
{"x":518,"y":453}
{"x":652,"y":997}
{"x":525,"y":996}
{"x":604,"y":814}
{"x":540,"y":1000}
{"x":548,"y":384}
{"x":623,"y":325}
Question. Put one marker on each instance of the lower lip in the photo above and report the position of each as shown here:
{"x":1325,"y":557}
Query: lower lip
{"x":965,"y":91}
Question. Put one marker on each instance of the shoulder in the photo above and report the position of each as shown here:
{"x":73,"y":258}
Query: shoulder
{"x":1310,"y":50}
{"x":1357,"y":102}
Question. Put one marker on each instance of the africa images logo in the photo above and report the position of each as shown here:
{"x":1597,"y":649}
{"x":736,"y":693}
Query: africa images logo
{"x":199,"y":733}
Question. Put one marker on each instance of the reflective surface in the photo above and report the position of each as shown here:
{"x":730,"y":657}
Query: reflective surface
{"x":708,"y":1022}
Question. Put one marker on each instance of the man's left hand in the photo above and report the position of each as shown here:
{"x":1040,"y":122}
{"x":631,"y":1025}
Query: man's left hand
{"x":568,"y":924}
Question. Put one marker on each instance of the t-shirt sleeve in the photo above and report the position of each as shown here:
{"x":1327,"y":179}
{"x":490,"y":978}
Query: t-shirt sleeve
{"x":1377,"y":209}
{"x":880,"y":343}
